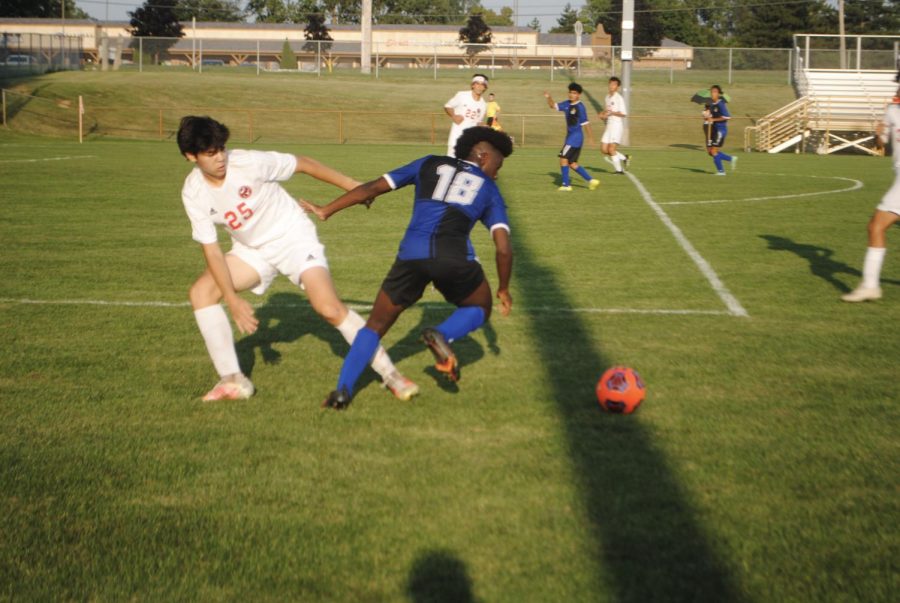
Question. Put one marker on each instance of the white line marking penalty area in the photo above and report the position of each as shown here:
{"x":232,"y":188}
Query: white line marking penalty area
{"x":367,"y":307}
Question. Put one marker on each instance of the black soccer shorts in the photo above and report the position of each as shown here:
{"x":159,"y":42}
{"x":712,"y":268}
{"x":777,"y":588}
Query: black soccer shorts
{"x":455,"y":279}
{"x":716,"y":137}
{"x":570,"y":153}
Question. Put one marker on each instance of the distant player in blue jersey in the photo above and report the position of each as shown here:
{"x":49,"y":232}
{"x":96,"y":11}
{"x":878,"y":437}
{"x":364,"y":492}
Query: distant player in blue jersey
{"x":451,"y":196}
{"x":715,"y":127}
{"x":576,"y":119}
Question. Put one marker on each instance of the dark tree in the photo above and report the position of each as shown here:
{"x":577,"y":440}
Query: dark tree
{"x":157,"y":20}
{"x":566,"y":21}
{"x":475,"y":35}
{"x":648,"y":31}
{"x":44,"y":9}
{"x":317,"y":33}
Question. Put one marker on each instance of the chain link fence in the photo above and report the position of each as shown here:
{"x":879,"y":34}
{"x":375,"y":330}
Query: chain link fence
{"x":26,"y":53}
{"x":678,"y":63}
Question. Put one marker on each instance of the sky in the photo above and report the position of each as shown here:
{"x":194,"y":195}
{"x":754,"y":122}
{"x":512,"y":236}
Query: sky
{"x":547,"y":11}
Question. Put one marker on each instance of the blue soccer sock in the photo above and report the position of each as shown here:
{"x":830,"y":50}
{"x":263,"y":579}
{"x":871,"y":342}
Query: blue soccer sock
{"x":565,"y":175}
{"x":583,"y":173}
{"x":364,"y":346}
{"x":462,"y":322}
{"x":717,"y":159}
{"x":724,"y":156}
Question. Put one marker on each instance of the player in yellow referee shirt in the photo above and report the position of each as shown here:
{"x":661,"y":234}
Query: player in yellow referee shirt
{"x":493,"y":113}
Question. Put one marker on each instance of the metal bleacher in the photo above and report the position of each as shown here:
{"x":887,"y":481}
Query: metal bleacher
{"x":836,"y":109}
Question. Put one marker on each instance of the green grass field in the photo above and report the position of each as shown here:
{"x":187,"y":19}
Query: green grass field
{"x":763,"y":465}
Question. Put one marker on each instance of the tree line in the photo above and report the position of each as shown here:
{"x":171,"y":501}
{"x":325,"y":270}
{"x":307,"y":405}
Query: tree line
{"x":705,"y":23}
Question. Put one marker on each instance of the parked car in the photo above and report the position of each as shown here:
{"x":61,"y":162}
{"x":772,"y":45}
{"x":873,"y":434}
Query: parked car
{"x":213,"y":63}
{"x":19,"y":59}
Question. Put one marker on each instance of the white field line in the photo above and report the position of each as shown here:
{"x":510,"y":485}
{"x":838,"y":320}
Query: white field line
{"x":66,"y":158}
{"x":734,"y":306}
{"x":365,"y":307}
{"x":856,"y":186}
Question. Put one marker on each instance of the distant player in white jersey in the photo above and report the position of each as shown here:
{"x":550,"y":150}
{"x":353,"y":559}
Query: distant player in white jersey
{"x":466,"y":109}
{"x":614,"y":113}
{"x":886,"y":213}
{"x":270,"y":234}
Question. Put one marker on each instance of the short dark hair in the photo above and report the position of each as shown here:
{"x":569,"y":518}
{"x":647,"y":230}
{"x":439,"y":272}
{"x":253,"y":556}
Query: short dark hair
{"x":575,"y":87}
{"x":197,"y":134}
{"x":616,"y":80}
{"x":472,"y":136}
{"x":717,"y":87}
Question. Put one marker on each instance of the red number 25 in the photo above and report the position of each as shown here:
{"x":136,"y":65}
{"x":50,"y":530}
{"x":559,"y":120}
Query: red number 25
{"x":232,"y":219}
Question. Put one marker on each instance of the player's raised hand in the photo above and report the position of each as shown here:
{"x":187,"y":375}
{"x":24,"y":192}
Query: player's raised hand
{"x":311,"y":208}
{"x":505,"y":301}
{"x":242,"y":313}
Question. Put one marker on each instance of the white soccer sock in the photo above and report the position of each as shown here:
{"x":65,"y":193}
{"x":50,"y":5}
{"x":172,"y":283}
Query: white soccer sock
{"x":216,"y":331}
{"x":617,"y":161}
{"x":620,"y":156}
{"x":872,"y":267}
{"x":381,"y":362}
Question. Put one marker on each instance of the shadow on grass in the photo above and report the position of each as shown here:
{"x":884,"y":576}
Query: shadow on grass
{"x":439,"y":577}
{"x":820,"y":261}
{"x":649,"y":543}
{"x":691,"y":147}
{"x":288,"y":317}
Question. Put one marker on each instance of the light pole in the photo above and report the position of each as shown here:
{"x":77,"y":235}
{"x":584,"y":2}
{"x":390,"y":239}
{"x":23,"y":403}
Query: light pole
{"x":627,"y":58}
{"x":366,"y":35}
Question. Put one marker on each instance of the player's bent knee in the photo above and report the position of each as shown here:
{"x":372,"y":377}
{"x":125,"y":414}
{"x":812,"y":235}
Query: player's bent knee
{"x":333,"y":313}
{"x":204,"y":292}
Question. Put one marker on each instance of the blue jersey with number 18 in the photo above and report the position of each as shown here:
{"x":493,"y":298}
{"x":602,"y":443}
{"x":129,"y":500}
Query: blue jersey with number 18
{"x":451,"y":195}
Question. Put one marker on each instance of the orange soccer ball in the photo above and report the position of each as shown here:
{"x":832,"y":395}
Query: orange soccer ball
{"x":620,"y":390}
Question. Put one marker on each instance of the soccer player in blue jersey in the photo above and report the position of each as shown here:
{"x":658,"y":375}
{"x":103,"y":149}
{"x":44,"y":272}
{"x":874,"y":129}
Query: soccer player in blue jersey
{"x":451,"y":195}
{"x":576,"y":119}
{"x":715,"y":126}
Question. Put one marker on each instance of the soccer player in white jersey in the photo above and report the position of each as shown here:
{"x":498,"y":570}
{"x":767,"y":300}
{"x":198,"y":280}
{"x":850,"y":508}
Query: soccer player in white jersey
{"x":466,"y":109}
{"x":614,"y":113}
{"x":886,"y":213}
{"x":270,"y":234}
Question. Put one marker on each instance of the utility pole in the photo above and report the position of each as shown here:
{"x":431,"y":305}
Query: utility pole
{"x":843,"y":50}
{"x":366,"y":37}
{"x":627,"y":58}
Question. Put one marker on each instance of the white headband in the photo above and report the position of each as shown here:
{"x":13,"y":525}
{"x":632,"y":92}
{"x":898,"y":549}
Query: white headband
{"x":479,"y":79}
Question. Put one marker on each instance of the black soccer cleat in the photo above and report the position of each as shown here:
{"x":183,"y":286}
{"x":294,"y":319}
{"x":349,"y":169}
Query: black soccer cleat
{"x":339,"y":399}
{"x":445,"y":359}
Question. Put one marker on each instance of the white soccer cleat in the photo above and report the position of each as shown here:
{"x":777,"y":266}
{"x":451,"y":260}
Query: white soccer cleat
{"x":720,"y":173}
{"x":402,"y":387}
{"x":565,"y":188}
{"x":861,"y":294}
{"x":230,"y":388}
{"x":734,"y":159}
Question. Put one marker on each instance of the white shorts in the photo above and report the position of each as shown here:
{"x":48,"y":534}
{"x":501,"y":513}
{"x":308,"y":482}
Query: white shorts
{"x":290,"y":256}
{"x":612,"y":133}
{"x":891,"y":200}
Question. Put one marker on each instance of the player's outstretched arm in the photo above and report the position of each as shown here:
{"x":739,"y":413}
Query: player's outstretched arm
{"x":320,"y":171}
{"x":549,"y":98}
{"x":241,"y":310}
{"x":364,"y":193}
{"x":504,"y":258}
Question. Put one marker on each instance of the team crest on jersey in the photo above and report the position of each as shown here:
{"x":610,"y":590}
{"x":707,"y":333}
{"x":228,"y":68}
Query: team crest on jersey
{"x":245,"y":191}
